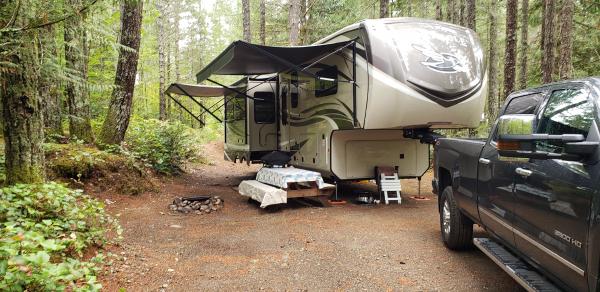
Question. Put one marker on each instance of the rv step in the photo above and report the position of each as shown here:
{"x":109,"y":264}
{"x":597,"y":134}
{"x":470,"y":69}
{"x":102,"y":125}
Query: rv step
{"x":523,"y":273}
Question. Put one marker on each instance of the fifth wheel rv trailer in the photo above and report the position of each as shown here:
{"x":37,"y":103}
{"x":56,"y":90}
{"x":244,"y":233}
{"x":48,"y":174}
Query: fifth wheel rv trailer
{"x":365,"y":96}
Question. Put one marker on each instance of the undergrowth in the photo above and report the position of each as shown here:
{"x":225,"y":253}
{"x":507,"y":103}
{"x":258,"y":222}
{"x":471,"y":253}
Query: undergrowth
{"x":44,"y":230}
{"x":165,"y":146}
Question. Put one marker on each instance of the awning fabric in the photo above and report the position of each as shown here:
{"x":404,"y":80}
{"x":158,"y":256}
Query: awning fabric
{"x":243,"y":58}
{"x":200,"y":90}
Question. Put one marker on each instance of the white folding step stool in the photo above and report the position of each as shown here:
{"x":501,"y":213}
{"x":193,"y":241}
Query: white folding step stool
{"x":390,"y":185}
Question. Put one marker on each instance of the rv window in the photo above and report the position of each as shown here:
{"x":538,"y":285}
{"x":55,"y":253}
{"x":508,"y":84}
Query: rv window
{"x":327,"y":85}
{"x":264,"y":107}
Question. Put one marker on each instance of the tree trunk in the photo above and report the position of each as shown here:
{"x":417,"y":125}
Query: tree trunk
{"x":294,"y":22}
{"x":76,"y":57}
{"x":262,"y":22}
{"x":424,"y":9}
{"x":565,"y":69}
{"x":168,"y":78}
{"x":49,"y":90}
{"x":160,"y":23}
{"x":449,"y":4}
{"x":119,"y":111}
{"x":547,"y":41}
{"x":462,"y":14}
{"x":246,"y":20}
{"x":384,"y":8}
{"x":21,"y":106}
{"x":438,"y":10}
{"x":471,"y":11}
{"x":493,"y":62}
{"x":510,"y":55}
{"x":524,"y":44}
{"x":556,"y":37}
{"x":176,"y":12}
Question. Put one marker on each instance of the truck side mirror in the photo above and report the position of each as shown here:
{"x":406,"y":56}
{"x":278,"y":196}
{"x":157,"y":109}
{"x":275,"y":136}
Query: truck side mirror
{"x":516,"y":138}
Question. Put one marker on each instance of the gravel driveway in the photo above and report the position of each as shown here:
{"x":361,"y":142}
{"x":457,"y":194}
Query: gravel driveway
{"x":300,"y":247}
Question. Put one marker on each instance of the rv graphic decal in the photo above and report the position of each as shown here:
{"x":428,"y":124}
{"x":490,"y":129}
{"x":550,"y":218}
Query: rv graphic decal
{"x":440,"y":62}
{"x":339,"y":118}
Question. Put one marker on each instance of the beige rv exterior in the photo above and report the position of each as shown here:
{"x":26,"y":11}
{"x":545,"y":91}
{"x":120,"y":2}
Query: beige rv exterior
{"x":410,"y":74}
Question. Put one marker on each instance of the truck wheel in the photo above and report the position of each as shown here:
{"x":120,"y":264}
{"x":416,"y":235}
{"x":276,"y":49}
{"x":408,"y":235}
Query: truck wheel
{"x":457,"y":229}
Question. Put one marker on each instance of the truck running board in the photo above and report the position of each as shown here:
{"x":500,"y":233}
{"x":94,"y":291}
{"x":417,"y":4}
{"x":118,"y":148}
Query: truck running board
{"x":523,"y":273}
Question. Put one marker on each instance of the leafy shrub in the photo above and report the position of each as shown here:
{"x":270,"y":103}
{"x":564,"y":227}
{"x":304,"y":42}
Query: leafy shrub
{"x":44,"y":230}
{"x":166,"y":146}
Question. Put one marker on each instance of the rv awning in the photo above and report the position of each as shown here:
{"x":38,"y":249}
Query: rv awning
{"x":242,"y":58}
{"x":200,"y":90}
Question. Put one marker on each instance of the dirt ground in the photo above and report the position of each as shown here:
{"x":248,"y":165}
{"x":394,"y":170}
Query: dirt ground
{"x":300,"y":247}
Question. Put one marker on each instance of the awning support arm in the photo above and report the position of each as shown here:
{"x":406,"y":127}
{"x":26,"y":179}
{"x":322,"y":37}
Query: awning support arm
{"x":188,"y":111}
{"x":234,"y":90}
{"x":198,"y":103}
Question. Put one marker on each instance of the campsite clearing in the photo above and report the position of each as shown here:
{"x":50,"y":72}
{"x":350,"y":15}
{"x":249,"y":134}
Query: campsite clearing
{"x":243,"y":247}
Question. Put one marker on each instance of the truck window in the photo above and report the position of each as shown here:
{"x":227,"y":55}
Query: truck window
{"x":264,"y":107}
{"x":524,"y":104}
{"x":568,"y":112}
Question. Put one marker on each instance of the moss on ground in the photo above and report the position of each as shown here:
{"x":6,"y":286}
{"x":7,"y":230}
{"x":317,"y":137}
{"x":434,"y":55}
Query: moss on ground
{"x":79,"y":164}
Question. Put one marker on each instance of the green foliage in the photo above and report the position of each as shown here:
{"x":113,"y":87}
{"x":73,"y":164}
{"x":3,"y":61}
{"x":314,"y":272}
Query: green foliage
{"x":45,"y":228}
{"x":166,"y":146}
{"x":113,"y":168}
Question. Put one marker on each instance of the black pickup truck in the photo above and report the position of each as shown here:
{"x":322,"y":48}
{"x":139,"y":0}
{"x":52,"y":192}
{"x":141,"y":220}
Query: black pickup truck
{"x":533,"y":185}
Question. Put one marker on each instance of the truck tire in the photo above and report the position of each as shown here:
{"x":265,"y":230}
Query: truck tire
{"x":457,"y":229}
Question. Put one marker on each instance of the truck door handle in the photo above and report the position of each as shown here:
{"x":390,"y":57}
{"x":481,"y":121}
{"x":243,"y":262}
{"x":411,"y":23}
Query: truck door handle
{"x":523,"y":172}
{"x":484,"y":161}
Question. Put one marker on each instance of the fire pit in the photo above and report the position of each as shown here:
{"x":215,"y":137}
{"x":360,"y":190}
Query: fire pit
{"x":198,"y":205}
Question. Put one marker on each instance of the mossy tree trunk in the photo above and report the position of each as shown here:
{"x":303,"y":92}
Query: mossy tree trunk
{"x":160,"y":27}
{"x":262,"y":22}
{"x":565,"y":65}
{"x":119,"y":111}
{"x":547,"y":40}
{"x":510,"y":55}
{"x":384,"y":6}
{"x":492,"y":105}
{"x":294,"y":21}
{"x":21,"y":106}
{"x":76,"y":62}
{"x":246,"y":20}
{"x":524,"y":44}
{"x":49,"y":88}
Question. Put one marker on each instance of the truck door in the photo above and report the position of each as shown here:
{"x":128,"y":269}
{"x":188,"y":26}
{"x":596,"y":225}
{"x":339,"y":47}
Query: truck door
{"x":553,"y":197}
{"x":496,"y":176}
